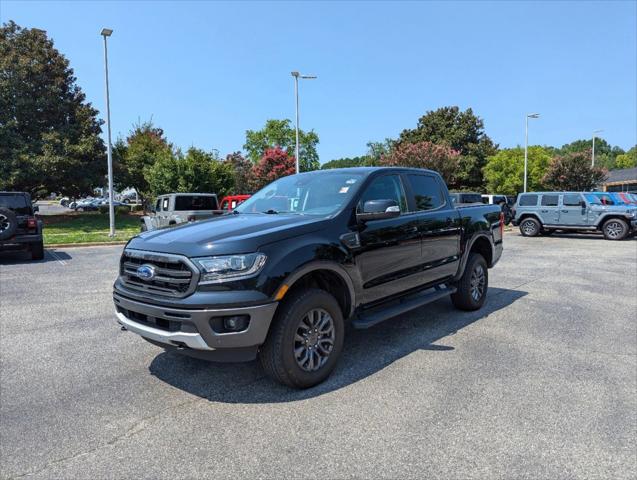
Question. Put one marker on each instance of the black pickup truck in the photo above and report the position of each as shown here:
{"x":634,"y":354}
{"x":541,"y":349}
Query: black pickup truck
{"x":20,"y":229}
{"x":280,"y":276}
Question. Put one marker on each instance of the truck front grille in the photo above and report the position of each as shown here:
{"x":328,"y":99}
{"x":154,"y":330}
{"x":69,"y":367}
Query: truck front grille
{"x":174,"y":275}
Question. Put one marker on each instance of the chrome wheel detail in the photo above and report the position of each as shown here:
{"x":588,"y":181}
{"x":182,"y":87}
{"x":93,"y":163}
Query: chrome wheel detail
{"x":614,"y":229}
{"x":478,"y":282}
{"x":4,"y":223}
{"x":314,"y":340}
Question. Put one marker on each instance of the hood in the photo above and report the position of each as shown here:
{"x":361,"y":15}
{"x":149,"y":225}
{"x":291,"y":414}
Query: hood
{"x":614,"y":208}
{"x":226,"y":234}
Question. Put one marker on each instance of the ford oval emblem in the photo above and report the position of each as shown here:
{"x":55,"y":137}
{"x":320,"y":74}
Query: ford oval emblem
{"x":146,"y":272}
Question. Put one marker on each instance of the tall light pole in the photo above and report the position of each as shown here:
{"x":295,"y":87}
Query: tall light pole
{"x":526,"y":146}
{"x":296,"y":76}
{"x":593,"y":155}
{"x":106,"y":32}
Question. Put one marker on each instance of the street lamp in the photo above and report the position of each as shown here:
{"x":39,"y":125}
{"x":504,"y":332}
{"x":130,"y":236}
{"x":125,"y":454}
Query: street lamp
{"x":526,"y":146}
{"x":593,"y":155}
{"x":106,"y":32}
{"x":296,"y":76}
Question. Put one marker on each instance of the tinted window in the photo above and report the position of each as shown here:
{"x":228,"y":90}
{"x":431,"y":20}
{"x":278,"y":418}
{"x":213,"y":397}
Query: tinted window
{"x":571,"y":200}
{"x":194,"y":202}
{"x":17,"y":203}
{"x":427,"y":192}
{"x":387,"y":187}
{"x":528,"y":200}
{"x":549,"y":200}
{"x":158,"y":205}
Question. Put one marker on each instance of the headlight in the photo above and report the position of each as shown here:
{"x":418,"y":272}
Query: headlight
{"x":631,"y":213}
{"x":230,"y":267}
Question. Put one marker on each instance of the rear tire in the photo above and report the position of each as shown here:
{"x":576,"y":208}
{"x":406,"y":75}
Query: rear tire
{"x":615,"y":229}
{"x":473,"y":285}
{"x":302,"y":357}
{"x":37,"y":250}
{"x":530,"y":227}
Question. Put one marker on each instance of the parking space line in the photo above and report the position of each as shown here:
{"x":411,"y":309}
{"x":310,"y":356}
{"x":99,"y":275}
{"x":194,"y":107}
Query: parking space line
{"x":59,"y":260}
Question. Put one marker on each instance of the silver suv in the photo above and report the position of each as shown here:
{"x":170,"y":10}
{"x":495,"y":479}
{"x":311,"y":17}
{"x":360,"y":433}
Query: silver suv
{"x":541,"y":213}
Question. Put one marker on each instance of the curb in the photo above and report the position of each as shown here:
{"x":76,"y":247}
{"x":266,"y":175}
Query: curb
{"x":80,"y":245}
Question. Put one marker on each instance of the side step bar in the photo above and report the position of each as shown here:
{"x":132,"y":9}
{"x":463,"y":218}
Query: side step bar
{"x":381,"y":313}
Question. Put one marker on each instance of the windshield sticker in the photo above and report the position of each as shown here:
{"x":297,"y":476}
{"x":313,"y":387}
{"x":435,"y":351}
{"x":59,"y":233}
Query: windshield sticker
{"x":343,"y":190}
{"x":351,"y":181}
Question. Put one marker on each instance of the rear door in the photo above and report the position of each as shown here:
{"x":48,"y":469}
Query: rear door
{"x":389,"y":256}
{"x":549,"y":209}
{"x":438,"y":226}
{"x":572,"y":213}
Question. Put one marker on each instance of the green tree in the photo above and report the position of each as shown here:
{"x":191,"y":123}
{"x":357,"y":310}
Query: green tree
{"x":49,"y":134}
{"x":573,"y":171}
{"x":279,"y":133}
{"x":197,"y":172}
{"x":504,"y":171}
{"x":376,"y":150}
{"x":440,"y":158}
{"x":345,"y":163}
{"x":464,"y":133}
{"x":241,"y":169}
{"x":628,"y":159}
{"x":144,"y":146}
{"x":605,"y":153}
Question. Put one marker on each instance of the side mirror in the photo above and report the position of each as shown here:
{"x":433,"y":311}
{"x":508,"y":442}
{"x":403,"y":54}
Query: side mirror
{"x":36,"y":208}
{"x":582,"y":204}
{"x":378,"y":210}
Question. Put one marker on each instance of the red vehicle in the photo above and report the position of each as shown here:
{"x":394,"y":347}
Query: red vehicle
{"x":230,"y":202}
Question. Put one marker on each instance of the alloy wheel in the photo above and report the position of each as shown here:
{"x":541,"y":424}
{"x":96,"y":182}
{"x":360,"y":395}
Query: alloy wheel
{"x":314,"y":340}
{"x":478,"y":283}
{"x":528,"y":227}
{"x":614,"y":229}
{"x":4,"y":223}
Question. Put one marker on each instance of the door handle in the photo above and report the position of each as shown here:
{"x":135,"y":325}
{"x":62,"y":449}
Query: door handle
{"x":544,"y":211}
{"x":449,"y":221}
{"x":564,"y":211}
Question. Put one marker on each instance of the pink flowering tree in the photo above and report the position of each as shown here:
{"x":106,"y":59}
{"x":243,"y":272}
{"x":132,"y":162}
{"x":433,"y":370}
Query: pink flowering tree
{"x":440,"y":158}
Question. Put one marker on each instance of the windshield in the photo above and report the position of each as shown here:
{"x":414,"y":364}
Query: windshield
{"x":312,"y":193}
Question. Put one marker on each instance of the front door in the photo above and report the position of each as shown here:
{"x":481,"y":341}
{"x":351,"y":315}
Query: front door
{"x":549,"y":209}
{"x":572,"y":211}
{"x":389,"y":254}
{"x":439,"y":228}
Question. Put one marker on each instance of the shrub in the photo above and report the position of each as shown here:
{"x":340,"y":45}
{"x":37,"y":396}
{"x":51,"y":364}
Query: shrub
{"x":119,"y":210}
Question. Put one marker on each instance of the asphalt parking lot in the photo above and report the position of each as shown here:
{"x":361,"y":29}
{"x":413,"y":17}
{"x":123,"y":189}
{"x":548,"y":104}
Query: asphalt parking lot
{"x":542,"y":383}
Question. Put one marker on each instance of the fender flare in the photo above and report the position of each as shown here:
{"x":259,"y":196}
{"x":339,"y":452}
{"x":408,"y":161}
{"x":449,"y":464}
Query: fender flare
{"x":465,"y":255}
{"x":316,"y":265}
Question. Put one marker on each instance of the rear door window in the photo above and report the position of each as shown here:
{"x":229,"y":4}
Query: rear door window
{"x":427,"y":192}
{"x":550,"y":200}
{"x":195,"y":202}
{"x":164,"y":204}
{"x":528,"y":201}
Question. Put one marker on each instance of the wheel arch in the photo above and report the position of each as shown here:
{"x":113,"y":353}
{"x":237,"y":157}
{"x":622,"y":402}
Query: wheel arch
{"x":327,"y":276}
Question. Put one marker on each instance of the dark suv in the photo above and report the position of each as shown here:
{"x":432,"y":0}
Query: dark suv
{"x":19,"y":228}
{"x":281,"y":275}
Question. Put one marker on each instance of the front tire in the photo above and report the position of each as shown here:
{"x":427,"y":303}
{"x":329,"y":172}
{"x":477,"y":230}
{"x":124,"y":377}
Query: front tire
{"x":615,"y":229}
{"x":305,"y":339}
{"x":473,"y":286}
{"x":530,"y":227}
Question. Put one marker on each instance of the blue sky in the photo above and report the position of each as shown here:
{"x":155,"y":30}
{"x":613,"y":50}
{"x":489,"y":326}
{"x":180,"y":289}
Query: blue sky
{"x":207,"y":71}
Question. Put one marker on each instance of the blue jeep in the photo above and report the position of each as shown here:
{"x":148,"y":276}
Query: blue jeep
{"x":541,"y":213}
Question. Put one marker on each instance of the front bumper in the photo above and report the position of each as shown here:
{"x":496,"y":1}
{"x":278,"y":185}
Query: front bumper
{"x":192,"y":330}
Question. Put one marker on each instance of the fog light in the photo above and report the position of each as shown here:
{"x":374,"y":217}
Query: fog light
{"x":236,"y":323}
